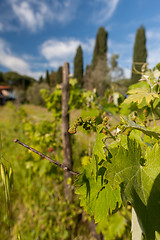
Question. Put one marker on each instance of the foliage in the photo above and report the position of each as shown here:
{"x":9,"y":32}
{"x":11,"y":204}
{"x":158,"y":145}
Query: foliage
{"x":38,"y":209}
{"x":78,"y":66}
{"x":115,"y":226}
{"x":144,"y":95}
{"x":33,"y":93}
{"x":122,"y":172}
{"x":7,"y":180}
{"x":116,"y":72}
{"x":46,"y":138}
{"x":125,"y":164}
{"x":1,"y":78}
{"x":100,"y":77}
{"x":139,"y":54}
{"x":97,"y":75}
{"x":16,"y":80}
{"x":111,"y":101}
{"x":78,"y":98}
{"x":59,"y":75}
{"x":100,"y":48}
{"x":53,"y":100}
{"x":47,"y":78}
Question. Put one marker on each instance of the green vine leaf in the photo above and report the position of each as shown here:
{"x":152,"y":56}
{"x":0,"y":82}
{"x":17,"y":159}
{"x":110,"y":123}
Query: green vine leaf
{"x":98,"y":150}
{"x":107,"y":200}
{"x":132,"y":125}
{"x":97,"y":197}
{"x":137,"y":95}
{"x":115,"y":227}
{"x":139,"y":183}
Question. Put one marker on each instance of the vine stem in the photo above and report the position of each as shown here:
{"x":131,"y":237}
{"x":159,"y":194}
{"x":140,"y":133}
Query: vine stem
{"x":46,"y":157}
{"x":153,"y":116}
{"x":136,"y":229}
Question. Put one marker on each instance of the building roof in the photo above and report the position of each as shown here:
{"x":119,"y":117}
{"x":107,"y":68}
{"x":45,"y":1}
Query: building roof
{"x":5,"y":87}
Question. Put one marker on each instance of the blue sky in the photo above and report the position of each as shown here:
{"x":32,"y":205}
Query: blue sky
{"x":36,"y":35}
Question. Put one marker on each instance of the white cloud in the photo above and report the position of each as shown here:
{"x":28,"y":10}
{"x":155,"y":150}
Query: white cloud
{"x":153,"y":34}
{"x":8,"y":60}
{"x":36,"y":75}
{"x":125,"y":51}
{"x":127,"y":72}
{"x":14,"y":63}
{"x":103,"y":10}
{"x":34,"y":14}
{"x":52,"y":49}
{"x":29,"y":15}
{"x":59,"y":51}
{"x":88,"y":45}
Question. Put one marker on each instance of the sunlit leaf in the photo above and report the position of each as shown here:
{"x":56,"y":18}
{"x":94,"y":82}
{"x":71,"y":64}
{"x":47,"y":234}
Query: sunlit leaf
{"x":139,"y":183}
{"x":133,"y":125}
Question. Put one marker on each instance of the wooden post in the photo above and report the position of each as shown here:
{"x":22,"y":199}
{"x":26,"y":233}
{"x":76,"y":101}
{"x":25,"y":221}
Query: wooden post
{"x":65,"y":134}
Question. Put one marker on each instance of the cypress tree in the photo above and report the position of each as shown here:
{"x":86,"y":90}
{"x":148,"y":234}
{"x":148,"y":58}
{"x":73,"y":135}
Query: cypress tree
{"x":139,"y":55}
{"x":1,"y":77}
{"x":59,"y":75}
{"x":78,"y":65}
{"x":100,"y":49}
{"x":40,"y":79}
{"x":47,"y":78}
{"x":52,"y":78}
{"x":99,"y":74}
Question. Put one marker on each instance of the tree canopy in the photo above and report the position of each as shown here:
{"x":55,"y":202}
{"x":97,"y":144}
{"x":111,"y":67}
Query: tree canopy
{"x":139,"y":54}
{"x":78,"y":65}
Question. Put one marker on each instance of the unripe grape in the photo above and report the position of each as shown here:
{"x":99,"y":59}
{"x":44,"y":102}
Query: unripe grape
{"x":105,"y":120}
{"x":127,"y":132}
{"x":94,"y":120}
{"x":145,"y":112}
{"x":72,"y":130}
{"x":104,"y":131}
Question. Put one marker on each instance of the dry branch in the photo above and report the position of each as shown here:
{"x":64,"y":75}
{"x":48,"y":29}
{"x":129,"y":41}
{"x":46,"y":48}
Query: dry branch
{"x":46,"y":157}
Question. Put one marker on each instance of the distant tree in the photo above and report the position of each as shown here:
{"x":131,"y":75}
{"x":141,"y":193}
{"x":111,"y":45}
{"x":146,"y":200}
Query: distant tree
{"x":121,"y":86}
{"x":1,"y":78}
{"x":100,"y":78}
{"x":78,"y":65}
{"x":87,"y":78}
{"x":116,"y":72}
{"x":52,"y":78}
{"x":97,"y":78}
{"x":17,"y":80}
{"x":41,"y":79}
{"x":59,"y":75}
{"x":97,"y":74}
{"x":100,"y":49}
{"x":47,"y":78}
{"x":33,"y":94}
{"x":114,"y":61}
{"x":139,"y":54}
{"x":13,"y":78}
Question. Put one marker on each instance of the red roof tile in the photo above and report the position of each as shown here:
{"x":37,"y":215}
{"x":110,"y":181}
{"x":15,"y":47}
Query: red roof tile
{"x":5,"y":87}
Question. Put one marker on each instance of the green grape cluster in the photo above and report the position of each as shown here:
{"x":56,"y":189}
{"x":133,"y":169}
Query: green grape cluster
{"x":105,"y":121}
{"x":86,"y":123}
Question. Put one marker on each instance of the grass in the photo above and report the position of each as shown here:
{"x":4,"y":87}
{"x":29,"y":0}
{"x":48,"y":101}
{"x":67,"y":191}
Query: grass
{"x":29,"y":189}
{"x":38,"y":113}
{"x":37,"y":200}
